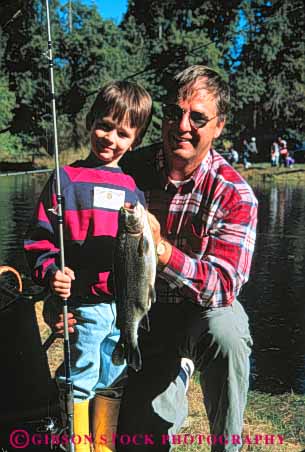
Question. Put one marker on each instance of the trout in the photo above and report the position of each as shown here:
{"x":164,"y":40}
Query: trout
{"x":134,"y":269}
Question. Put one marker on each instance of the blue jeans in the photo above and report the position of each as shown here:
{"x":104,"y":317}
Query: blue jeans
{"x":218,"y":341}
{"x":92,"y":345}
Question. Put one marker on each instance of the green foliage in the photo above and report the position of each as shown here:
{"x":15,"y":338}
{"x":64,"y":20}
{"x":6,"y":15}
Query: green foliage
{"x":89,"y":56}
{"x":9,"y":144}
{"x":175,"y":37}
{"x":269,"y":83}
{"x":258,"y":44}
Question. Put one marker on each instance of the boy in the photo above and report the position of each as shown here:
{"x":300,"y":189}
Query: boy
{"x":93,"y":192}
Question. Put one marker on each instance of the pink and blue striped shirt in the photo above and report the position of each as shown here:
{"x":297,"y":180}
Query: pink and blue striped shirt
{"x":92,"y":195}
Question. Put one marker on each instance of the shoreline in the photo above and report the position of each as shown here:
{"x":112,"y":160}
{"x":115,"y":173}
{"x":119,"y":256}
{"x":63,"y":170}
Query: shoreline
{"x":258,"y":172}
{"x":263,"y":172}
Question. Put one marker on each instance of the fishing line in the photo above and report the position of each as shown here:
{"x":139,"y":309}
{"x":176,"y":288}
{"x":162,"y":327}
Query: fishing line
{"x":67,"y":353}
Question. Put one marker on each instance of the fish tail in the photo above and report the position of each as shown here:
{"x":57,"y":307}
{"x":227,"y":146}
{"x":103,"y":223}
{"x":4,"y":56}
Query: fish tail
{"x":134,"y":359}
{"x":118,"y":354}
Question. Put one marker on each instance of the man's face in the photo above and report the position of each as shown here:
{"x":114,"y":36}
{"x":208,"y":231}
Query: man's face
{"x":184,"y":143}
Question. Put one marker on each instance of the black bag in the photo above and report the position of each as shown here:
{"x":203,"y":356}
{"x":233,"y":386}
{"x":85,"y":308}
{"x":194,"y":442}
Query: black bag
{"x":29,"y":394}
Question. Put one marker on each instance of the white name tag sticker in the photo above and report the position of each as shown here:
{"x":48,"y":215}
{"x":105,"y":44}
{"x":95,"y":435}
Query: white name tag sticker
{"x":108,"y":198}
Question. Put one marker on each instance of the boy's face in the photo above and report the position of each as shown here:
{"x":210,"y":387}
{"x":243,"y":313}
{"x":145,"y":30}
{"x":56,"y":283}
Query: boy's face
{"x":110,"y":141}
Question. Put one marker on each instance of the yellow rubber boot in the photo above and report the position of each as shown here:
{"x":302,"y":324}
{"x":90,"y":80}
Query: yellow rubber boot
{"x":104,"y":423}
{"x":81,"y":426}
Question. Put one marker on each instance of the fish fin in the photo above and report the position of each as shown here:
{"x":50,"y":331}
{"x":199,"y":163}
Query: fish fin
{"x":118,"y":354}
{"x":134,"y":359}
{"x":145,"y":323}
{"x":145,"y":245}
{"x":152,"y":294}
{"x":141,"y":246}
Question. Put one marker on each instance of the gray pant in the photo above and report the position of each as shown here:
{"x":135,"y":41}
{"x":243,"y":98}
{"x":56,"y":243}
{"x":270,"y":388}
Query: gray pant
{"x":218,"y":342}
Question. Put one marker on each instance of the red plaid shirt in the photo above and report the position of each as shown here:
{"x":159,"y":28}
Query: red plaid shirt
{"x":211,"y":223}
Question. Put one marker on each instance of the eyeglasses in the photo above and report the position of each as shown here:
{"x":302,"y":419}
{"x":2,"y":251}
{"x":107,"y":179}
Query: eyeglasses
{"x":174,"y":113}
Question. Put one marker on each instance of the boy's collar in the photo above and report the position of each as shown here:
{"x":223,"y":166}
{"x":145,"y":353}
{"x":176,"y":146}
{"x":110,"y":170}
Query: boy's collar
{"x":93,"y":161}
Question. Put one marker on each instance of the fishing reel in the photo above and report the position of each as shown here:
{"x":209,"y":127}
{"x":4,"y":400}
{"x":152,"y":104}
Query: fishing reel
{"x":53,"y":428}
{"x":12,"y":288}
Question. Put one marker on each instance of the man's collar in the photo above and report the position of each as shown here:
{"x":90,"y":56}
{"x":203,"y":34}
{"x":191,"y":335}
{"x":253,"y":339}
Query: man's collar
{"x":194,"y":178}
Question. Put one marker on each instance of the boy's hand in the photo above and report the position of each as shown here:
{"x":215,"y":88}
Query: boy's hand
{"x":60,"y":282}
{"x":59,"y":325}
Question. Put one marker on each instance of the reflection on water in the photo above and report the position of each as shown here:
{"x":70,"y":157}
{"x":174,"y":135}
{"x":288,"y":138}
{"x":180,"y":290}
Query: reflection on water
{"x":274,"y":297}
{"x":18,"y":195}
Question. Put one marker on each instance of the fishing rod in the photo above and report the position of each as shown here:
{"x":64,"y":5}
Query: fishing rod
{"x":67,"y":354}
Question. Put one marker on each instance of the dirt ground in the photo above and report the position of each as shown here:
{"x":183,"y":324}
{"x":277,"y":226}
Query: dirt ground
{"x":55,"y":351}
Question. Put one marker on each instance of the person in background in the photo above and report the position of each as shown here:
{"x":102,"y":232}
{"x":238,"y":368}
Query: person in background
{"x":94,"y":190}
{"x":290,"y":161}
{"x":253,"y":149}
{"x":275,"y":154}
{"x":283,"y":151}
{"x":234,"y":156}
{"x":245,"y":154}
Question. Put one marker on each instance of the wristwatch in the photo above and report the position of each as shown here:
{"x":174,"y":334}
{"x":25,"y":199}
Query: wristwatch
{"x":161,"y":248}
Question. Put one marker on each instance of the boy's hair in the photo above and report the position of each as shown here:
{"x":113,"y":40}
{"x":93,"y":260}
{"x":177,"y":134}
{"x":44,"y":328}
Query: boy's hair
{"x":202,"y":77}
{"x":123,"y":100}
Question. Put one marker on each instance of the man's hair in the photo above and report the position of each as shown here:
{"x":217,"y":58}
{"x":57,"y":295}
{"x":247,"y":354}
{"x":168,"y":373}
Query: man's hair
{"x":124,"y":101}
{"x":198,"y":77}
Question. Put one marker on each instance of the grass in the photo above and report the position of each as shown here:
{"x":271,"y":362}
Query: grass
{"x":266,"y":414}
{"x":263,"y":172}
{"x":44,"y":160}
{"x":65,"y":157}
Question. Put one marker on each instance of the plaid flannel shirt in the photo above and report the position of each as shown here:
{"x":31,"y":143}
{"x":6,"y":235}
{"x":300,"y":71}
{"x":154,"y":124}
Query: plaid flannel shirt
{"x":211,"y":223}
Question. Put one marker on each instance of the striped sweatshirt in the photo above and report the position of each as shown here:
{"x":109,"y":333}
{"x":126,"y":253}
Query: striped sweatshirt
{"x":92,"y":196}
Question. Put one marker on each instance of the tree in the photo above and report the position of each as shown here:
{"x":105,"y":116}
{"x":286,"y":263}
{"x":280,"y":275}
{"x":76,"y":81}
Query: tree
{"x":91,"y":54}
{"x":176,"y":37}
{"x":269,"y":83}
{"x":9,"y":144}
{"x":26,"y":65}
{"x":85,"y":57}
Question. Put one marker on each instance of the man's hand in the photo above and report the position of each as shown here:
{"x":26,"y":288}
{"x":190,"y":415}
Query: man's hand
{"x":165,"y":255}
{"x":60,"y":282}
{"x":155,"y":227}
{"x":59,"y":325}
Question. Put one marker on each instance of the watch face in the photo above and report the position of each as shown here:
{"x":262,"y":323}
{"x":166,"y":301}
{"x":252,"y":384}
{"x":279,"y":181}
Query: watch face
{"x":161,"y":248}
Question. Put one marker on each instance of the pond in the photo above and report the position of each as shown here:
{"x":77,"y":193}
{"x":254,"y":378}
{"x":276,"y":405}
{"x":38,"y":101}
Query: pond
{"x":274,"y":297}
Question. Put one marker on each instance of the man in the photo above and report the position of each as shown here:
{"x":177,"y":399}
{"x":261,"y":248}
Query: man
{"x":203,"y":216}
